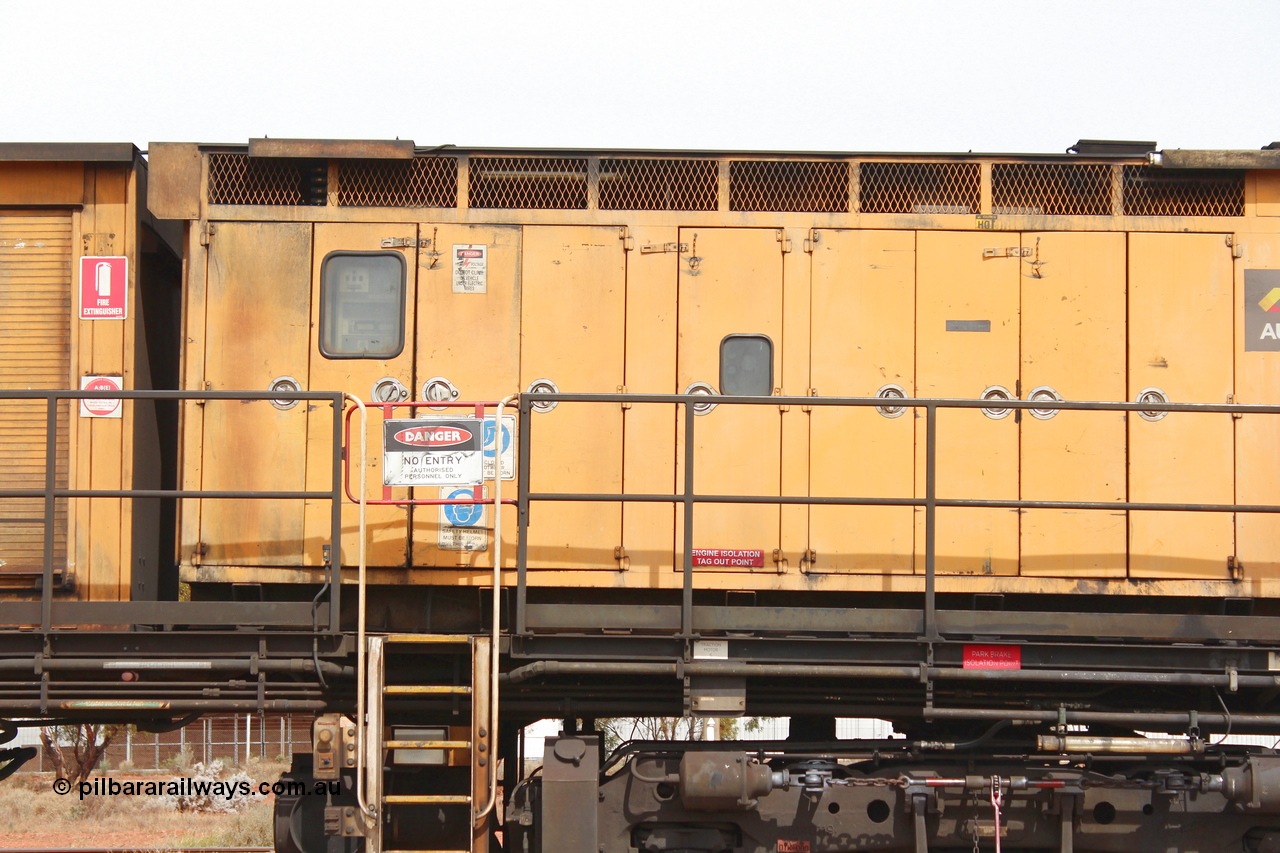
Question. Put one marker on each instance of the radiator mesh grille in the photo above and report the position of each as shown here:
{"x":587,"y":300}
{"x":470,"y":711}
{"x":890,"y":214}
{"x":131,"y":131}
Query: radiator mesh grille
{"x":1149,"y":191}
{"x":919,"y":187}
{"x":420,"y":182}
{"x":1053,"y":189}
{"x":820,"y":186}
{"x":636,"y":184}
{"x":534,"y":183}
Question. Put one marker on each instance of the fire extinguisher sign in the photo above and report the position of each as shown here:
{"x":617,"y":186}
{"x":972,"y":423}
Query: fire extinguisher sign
{"x":104,"y":286}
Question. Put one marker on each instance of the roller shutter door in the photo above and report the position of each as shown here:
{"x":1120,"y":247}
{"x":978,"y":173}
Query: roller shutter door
{"x":35,"y":353}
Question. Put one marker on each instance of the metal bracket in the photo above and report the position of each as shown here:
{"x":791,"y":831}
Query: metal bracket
{"x":406,"y":243}
{"x":658,"y":248}
{"x":1007,"y":252}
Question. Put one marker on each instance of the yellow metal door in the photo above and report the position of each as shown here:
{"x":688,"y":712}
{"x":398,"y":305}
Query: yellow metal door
{"x":863,"y":314}
{"x":731,"y":284}
{"x":387,"y":526}
{"x":35,"y":352}
{"x":468,"y":339}
{"x":1180,"y":319}
{"x":257,"y":330}
{"x":967,"y":344}
{"x":573,"y":319}
{"x":1073,"y":314}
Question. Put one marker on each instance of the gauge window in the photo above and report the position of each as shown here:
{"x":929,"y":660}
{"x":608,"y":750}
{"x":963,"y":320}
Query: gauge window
{"x":746,"y":366}
{"x":362,"y":297}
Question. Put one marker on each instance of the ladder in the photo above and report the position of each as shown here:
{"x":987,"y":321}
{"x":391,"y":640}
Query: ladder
{"x":479,"y":745}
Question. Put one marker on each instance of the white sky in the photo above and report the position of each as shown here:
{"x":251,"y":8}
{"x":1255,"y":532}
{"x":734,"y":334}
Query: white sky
{"x":951,"y":75}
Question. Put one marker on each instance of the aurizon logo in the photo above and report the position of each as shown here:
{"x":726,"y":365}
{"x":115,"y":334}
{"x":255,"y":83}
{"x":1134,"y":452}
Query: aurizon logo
{"x":1271,"y":302}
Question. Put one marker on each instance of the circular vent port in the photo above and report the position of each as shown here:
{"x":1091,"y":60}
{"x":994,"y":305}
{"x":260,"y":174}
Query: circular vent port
{"x":284,"y":384}
{"x":437,"y":389}
{"x":891,"y":392}
{"x":1152,"y":395}
{"x":997,"y":393}
{"x":543,"y":386}
{"x":1044,"y":392}
{"x":702,"y":388}
{"x":389,"y":390}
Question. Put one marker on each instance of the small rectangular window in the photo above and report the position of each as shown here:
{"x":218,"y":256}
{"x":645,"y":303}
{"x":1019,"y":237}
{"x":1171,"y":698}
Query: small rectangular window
{"x":746,"y":366}
{"x":362,"y":296}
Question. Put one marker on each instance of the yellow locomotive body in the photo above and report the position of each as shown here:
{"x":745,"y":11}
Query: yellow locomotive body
{"x":1095,"y":276}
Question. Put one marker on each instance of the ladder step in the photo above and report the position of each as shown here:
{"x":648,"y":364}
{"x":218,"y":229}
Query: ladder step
{"x":425,"y":688}
{"x":461,"y":639}
{"x":401,"y":799}
{"x":427,"y":744}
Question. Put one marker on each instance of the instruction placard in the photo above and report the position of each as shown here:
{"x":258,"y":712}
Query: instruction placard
{"x":496,"y":444}
{"x":470,"y":268}
{"x":462,"y":526}
{"x":431,"y":452}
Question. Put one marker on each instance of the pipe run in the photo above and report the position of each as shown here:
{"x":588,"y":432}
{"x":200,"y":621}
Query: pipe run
{"x":913,"y":673}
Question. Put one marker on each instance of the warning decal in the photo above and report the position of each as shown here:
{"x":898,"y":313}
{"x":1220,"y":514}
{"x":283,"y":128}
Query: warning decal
{"x":992,"y":657}
{"x":752,"y":558}
{"x":104,"y":288}
{"x":105,"y":407}
{"x":434,"y":452}
{"x":470,"y":269}
{"x":462,"y":526}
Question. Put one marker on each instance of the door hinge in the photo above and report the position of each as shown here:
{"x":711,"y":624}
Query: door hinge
{"x":622,"y":389}
{"x":1237,"y":248}
{"x":1231,"y":401}
{"x":1235,"y":568}
{"x":406,"y":243}
{"x":813,"y":392}
{"x":784,"y":241}
{"x":624,"y":559}
{"x":628,"y":242}
{"x":782,"y":407}
{"x":780,"y":560}
{"x":206,"y":233}
{"x":1007,"y":252}
{"x":808,"y":560}
{"x":651,"y":248}
{"x":811,"y":240}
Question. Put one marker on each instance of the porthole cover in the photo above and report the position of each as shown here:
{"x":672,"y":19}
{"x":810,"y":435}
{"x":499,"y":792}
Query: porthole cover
{"x":891,"y":392}
{"x":543,"y":386}
{"x":702,"y":388}
{"x":438,"y":389}
{"x":388,"y":389}
{"x":996,"y":392}
{"x":1044,"y":392}
{"x":1152,"y":395}
{"x":284,"y":384}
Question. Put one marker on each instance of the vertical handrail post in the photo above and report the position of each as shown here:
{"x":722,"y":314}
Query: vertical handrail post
{"x":50,"y":484}
{"x":930,"y":521}
{"x":686,"y":599}
{"x":522,"y":512}
{"x":335,"y":532}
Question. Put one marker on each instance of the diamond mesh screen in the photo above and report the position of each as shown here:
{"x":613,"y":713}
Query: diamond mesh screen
{"x":659,"y":184}
{"x":1149,"y":191}
{"x":919,"y":187}
{"x":820,"y":186}
{"x":420,"y":182}
{"x":539,"y":183}
{"x":1054,"y":189}
{"x":241,"y":179}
